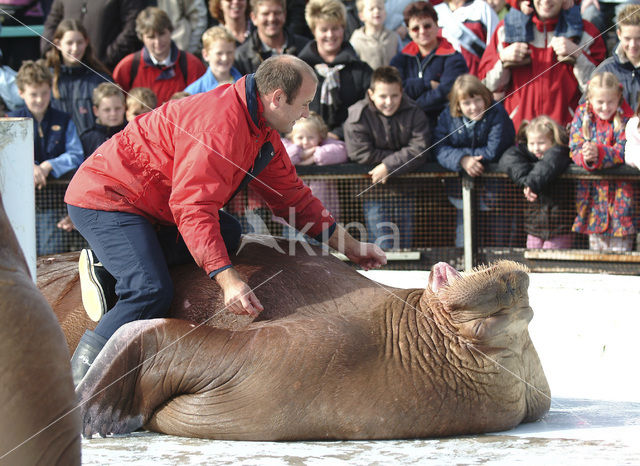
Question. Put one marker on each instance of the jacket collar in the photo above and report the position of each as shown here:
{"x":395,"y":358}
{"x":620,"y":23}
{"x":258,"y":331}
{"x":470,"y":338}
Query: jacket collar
{"x":443,"y":48}
{"x":310,"y":54}
{"x":247,"y":92}
{"x":547,"y":25}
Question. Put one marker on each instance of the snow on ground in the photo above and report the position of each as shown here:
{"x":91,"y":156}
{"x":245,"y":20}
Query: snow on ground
{"x":585,"y":329}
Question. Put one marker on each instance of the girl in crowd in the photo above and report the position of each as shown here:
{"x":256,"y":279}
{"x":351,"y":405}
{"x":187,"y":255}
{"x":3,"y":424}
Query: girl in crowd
{"x":472,"y":131}
{"x":76,"y":73}
{"x":308,"y":144}
{"x":541,"y":156}
{"x":597,"y":138}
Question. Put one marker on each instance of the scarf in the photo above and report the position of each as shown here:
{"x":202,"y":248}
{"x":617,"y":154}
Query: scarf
{"x":331,"y":84}
{"x":168,"y":71}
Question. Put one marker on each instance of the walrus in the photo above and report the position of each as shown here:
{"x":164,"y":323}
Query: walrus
{"x":334,"y":355}
{"x":39,"y":423}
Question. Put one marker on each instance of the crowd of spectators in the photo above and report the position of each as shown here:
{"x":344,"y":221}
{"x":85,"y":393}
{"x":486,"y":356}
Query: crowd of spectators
{"x":400,"y":83}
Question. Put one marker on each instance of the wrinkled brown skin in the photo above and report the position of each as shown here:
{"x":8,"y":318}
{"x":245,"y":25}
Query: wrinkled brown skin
{"x":39,"y":422}
{"x":333,"y":356}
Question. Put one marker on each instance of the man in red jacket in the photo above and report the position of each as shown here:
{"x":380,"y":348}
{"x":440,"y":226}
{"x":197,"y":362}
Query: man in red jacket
{"x":177,"y":167}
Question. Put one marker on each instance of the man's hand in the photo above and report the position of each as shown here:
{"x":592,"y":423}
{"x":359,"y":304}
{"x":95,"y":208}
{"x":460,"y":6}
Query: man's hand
{"x":515,"y":52}
{"x":472,"y":164}
{"x":238,"y":297}
{"x":40,"y":173}
{"x":379,"y":173}
{"x":366,"y":255}
{"x":563,"y":46}
{"x":526,"y":8}
{"x":585,"y":4}
{"x":530,"y":195}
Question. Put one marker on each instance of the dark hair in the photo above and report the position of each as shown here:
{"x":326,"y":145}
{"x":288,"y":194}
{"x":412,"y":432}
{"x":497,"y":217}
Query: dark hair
{"x":419,"y":10}
{"x":53,"y":57}
{"x":385,"y":74}
{"x":282,"y":72}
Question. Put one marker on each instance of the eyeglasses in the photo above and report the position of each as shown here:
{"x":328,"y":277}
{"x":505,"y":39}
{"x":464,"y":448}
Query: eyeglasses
{"x":426,"y":27}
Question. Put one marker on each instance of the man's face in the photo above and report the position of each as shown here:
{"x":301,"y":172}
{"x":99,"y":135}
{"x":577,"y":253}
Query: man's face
{"x":285,"y":115}
{"x":110,"y":112}
{"x":547,"y":9}
{"x":158,"y":44}
{"x":386,"y":97}
{"x":630,"y":42}
{"x":269,"y":19}
{"x":36,"y":97}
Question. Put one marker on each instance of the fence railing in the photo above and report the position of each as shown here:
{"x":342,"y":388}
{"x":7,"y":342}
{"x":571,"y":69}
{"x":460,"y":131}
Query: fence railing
{"x":427,"y":216}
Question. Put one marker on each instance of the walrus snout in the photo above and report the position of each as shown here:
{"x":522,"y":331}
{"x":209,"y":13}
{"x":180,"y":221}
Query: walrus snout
{"x":441,"y":275}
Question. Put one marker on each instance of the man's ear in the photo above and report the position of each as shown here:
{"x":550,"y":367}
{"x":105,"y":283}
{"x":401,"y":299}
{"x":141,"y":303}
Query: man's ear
{"x":278,"y":98}
{"x":95,"y":110}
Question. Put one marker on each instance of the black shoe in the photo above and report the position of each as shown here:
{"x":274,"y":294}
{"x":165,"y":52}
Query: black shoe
{"x":86,"y":352}
{"x":98,"y":286}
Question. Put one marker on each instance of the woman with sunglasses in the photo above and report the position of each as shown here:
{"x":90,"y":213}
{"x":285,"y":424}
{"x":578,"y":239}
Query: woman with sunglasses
{"x":428,"y":64}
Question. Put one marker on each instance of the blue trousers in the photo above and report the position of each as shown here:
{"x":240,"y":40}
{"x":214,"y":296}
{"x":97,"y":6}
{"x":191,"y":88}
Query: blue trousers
{"x":518,"y":27}
{"x":138,"y":255}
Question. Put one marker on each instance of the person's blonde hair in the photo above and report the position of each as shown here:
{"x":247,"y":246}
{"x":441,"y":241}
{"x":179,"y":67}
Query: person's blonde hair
{"x":216,"y":34}
{"x":606,"y":81}
{"x":546,"y":126}
{"x":629,"y":16}
{"x":325,"y":10}
{"x":466,"y":86}
{"x":312,"y":121}
{"x":142,"y":96}
{"x":360,"y":5}
{"x":104,"y":90}
{"x":254,"y":4}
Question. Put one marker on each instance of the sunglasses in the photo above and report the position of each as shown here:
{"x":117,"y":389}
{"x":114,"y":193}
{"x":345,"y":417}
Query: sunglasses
{"x":417,"y":27}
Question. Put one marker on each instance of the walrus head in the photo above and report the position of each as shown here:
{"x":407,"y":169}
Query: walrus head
{"x":485,"y":305}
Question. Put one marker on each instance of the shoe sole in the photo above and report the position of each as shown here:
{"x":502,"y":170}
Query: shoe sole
{"x":93,"y":298}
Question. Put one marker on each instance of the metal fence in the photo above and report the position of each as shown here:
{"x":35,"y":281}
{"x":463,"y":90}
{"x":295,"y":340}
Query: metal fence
{"x":424,"y":217}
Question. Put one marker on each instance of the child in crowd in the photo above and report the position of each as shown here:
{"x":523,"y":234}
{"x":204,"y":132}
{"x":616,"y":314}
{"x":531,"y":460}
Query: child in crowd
{"x":374,"y":44}
{"x":597,"y":139}
{"x":472,"y":131}
{"x":518,"y":27}
{"x":57,"y":148}
{"x":308,"y":144}
{"x":387,"y":129}
{"x":218,"y":50}
{"x":534,"y":165}
{"x":108,"y":108}
{"x":632,"y":146}
{"x":140,"y":100}
{"x":160,"y":65}
{"x":76,"y":72}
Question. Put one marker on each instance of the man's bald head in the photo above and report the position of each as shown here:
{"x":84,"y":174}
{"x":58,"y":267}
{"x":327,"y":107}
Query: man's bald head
{"x":284,"y":72}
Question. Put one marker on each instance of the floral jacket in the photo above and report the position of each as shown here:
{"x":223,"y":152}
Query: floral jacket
{"x":603,"y":206}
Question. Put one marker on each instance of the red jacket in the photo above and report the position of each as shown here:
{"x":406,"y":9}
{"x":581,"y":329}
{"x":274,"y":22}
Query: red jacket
{"x":147,"y":75}
{"x":181,"y":163}
{"x":545,"y":86}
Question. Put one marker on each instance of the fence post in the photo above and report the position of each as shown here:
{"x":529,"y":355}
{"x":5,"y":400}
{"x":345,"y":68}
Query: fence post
{"x":16,"y":183}
{"x":468,"y":219}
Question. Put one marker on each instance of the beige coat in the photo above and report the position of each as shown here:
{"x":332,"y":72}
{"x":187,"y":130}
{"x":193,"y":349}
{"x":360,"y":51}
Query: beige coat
{"x":376,"y":50}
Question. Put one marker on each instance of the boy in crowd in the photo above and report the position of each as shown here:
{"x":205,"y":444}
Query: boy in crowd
{"x":374,"y":44}
{"x":57,"y":148}
{"x":160,"y":65}
{"x":108,"y":107}
{"x":140,"y":100}
{"x":624,"y":62}
{"x":218,"y":50}
{"x":387,"y":129}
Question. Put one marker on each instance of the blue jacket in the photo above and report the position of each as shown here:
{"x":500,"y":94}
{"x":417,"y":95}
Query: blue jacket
{"x":442,"y":65}
{"x":489,"y":137}
{"x":76,"y":85}
{"x":208,"y":81}
{"x":628,"y":76}
{"x":55,"y":140}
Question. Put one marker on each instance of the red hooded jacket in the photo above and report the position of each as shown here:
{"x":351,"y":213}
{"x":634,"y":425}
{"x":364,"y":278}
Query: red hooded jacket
{"x":181,"y":163}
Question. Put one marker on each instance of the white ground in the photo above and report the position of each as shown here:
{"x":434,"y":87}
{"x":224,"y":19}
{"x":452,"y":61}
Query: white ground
{"x":585,"y":329}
